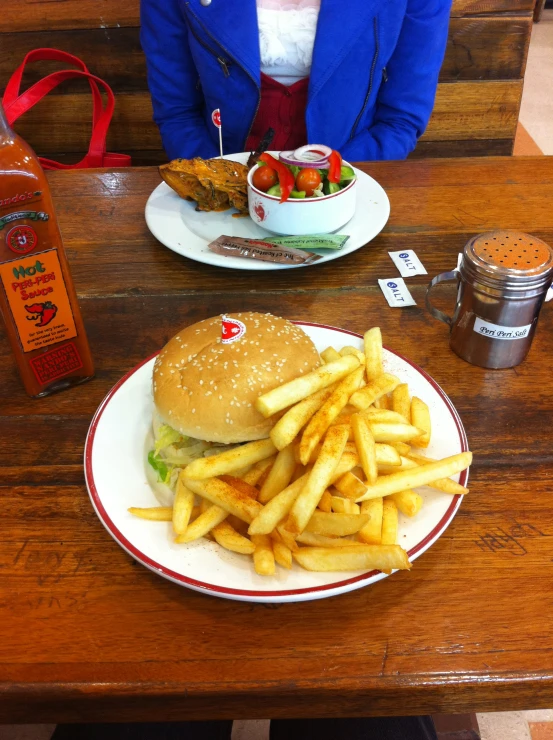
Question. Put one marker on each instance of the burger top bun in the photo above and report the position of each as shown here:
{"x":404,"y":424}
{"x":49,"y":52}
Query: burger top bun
{"x":207,"y":377}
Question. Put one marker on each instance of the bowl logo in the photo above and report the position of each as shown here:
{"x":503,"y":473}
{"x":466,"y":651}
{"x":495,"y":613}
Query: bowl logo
{"x":391,"y":285}
{"x":404,"y":256}
{"x":259,"y":211}
{"x":231,"y":329}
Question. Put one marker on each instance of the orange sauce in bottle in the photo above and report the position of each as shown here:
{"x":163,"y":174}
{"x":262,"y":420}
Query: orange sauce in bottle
{"x":37,"y":299}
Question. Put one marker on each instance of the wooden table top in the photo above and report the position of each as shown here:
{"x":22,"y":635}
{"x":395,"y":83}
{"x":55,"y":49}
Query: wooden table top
{"x":87,"y":633}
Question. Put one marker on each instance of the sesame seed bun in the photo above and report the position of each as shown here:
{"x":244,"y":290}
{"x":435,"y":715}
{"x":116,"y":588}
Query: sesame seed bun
{"x":206,"y":388}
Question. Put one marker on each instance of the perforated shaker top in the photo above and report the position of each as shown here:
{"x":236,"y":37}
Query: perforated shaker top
{"x":513,"y":255}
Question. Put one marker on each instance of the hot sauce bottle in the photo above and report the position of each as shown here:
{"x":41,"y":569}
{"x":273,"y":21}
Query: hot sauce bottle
{"x":37,"y":299}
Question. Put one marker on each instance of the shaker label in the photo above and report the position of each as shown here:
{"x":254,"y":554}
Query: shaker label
{"x":495,"y":331}
{"x":38,"y":299}
{"x":407,"y":263}
{"x":396,"y":293}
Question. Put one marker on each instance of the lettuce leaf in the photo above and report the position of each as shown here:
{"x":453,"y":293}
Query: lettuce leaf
{"x":166,"y":436}
{"x":162,"y":469}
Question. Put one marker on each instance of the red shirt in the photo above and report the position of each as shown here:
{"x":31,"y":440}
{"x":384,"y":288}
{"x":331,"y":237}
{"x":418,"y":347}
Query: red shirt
{"x":283,"y":109}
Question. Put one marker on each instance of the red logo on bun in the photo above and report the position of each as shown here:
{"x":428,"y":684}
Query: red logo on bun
{"x":231,"y":329}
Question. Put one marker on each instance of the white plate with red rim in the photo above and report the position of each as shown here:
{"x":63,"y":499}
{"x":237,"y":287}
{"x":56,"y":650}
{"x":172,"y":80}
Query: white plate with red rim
{"x":116,"y":479}
{"x":176,"y":224}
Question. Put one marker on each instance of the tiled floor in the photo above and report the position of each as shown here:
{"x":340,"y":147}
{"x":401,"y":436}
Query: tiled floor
{"x":536,"y":112}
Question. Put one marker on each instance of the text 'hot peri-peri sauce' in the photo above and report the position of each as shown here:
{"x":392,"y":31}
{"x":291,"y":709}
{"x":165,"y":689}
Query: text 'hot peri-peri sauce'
{"x":37,"y":299}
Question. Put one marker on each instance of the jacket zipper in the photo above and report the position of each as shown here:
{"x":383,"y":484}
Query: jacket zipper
{"x":226,"y":63}
{"x":371,"y":77}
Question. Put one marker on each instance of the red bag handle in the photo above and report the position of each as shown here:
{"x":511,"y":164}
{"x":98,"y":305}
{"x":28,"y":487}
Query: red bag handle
{"x":16,"y":104}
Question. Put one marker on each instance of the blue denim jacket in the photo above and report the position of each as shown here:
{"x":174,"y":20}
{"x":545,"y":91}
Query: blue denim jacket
{"x":372,"y":83}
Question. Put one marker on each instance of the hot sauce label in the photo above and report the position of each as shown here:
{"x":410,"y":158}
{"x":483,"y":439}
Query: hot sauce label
{"x":56,"y":363}
{"x":38,"y":300}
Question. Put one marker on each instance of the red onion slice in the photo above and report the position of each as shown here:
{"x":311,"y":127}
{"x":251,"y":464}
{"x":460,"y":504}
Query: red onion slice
{"x":313,"y":153}
{"x":318,"y":159}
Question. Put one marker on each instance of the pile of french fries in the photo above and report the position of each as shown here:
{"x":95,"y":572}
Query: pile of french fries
{"x":326,"y":487}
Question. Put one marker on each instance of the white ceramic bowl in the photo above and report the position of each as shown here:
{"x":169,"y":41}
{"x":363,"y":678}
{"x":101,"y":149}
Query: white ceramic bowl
{"x":302,"y":216}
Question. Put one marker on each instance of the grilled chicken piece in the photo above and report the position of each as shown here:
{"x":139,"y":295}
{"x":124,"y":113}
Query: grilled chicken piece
{"x":215,"y":184}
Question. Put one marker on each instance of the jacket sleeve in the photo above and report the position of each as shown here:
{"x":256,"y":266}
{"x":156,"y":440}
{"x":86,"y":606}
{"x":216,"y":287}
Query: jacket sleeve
{"x":406,"y":99}
{"x":172,"y":78}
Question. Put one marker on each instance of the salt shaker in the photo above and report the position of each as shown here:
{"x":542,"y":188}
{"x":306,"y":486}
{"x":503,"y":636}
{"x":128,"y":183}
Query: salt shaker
{"x":503,"y":278}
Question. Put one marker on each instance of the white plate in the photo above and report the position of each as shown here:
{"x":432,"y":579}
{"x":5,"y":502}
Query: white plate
{"x":116,"y":480}
{"x":177,"y":225}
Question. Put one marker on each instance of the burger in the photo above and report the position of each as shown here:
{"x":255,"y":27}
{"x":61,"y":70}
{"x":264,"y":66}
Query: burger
{"x":205,"y":383}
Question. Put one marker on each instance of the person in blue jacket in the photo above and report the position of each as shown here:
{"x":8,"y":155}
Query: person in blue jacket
{"x":370,"y":69}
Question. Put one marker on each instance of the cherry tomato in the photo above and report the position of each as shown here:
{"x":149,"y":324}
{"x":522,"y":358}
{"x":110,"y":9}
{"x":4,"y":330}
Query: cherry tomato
{"x":308,"y":179}
{"x":264,"y":178}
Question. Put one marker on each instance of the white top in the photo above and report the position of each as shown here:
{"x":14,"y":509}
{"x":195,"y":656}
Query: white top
{"x":286,"y":37}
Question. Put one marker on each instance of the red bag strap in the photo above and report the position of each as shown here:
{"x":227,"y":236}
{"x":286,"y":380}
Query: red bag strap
{"x":16,"y":104}
{"x":11,"y":92}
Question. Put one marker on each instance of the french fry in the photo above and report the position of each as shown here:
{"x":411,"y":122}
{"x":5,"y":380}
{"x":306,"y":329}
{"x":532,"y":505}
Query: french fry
{"x":373,"y":353}
{"x":325,"y":504}
{"x":330,"y":355}
{"x":419,"y":476}
{"x":279,"y":476}
{"x":227,"y":497}
{"x":401,"y":402}
{"x":299,"y":388}
{"x":228,"y":537}
{"x":348,"y":461}
{"x":350,"y":447}
{"x":283,"y":554}
{"x":350,"y":486}
{"x":367,"y":557}
{"x":371,"y":532}
{"x":263,"y":557}
{"x":277,"y":508}
{"x":210,"y":518}
{"x":257,"y":471}
{"x":420,"y":417}
{"x":402,"y":447}
{"x":446,"y":485}
{"x":374,"y":389}
{"x":389,"y":522}
{"x":384,"y":432}
{"x":408,"y":502}
{"x":241,"y":485}
{"x":336,"y":525}
{"x":299,"y":471}
{"x":386,"y":416}
{"x":404,"y":464}
{"x":318,"y":479}
{"x":341,"y":505}
{"x":319,"y":540}
{"x":153,"y":513}
{"x":328,"y":412}
{"x":366,"y":447}
{"x":287,"y":538}
{"x":182,"y":506}
{"x":353,"y":351}
{"x":383,"y":403}
{"x":226,"y":462}
{"x":288,"y":426}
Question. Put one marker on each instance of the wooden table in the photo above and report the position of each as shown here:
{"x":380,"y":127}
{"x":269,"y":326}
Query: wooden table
{"x":89,"y":634}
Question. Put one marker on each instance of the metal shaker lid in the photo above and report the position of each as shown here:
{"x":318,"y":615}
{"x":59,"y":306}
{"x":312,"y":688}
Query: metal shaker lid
{"x":509,"y":259}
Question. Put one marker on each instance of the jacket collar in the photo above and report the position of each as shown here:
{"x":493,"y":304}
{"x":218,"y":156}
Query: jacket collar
{"x":340,"y":23}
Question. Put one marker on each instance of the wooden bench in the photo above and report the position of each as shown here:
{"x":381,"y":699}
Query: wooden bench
{"x":476,"y":107}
